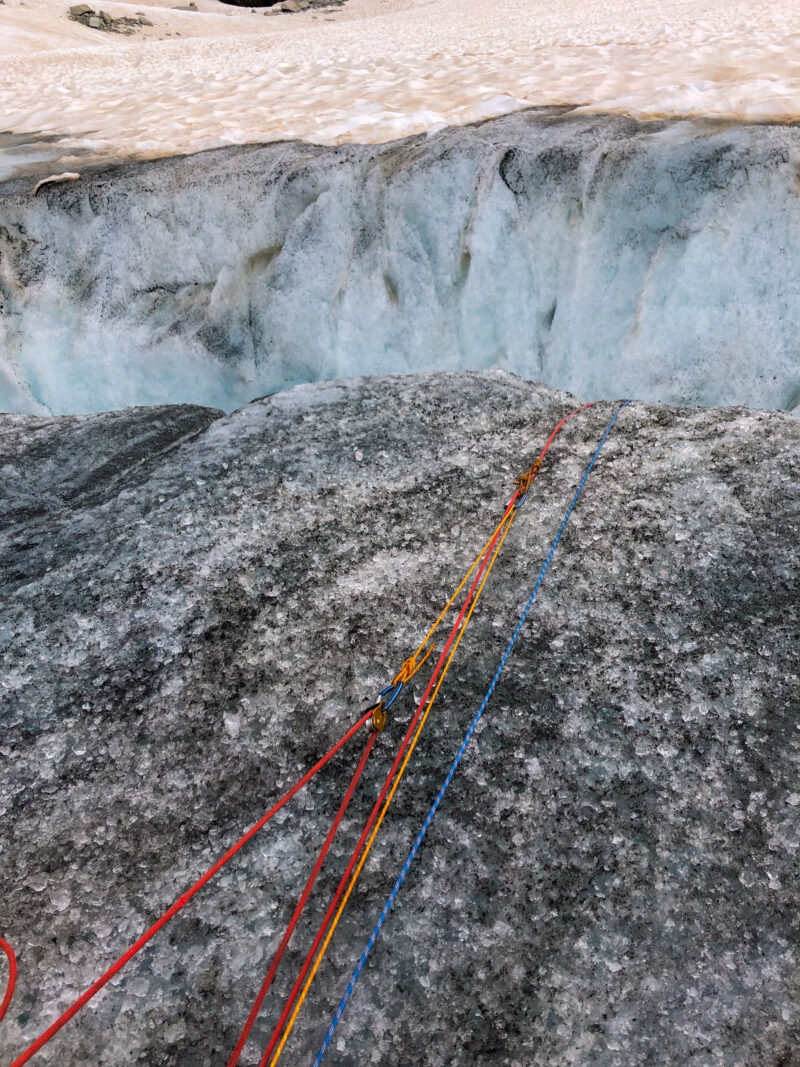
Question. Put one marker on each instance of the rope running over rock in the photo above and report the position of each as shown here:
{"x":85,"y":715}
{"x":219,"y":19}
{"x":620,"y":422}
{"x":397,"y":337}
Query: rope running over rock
{"x":182,"y":901}
{"x":483,"y":565}
{"x":459,"y":755}
{"x":12,"y":976}
{"x":523,"y":484}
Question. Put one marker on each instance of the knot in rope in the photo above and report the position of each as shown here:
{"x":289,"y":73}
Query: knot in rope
{"x":376,"y":715}
{"x":413,"y":664}
{"x":523,"y":483}
{"x":445,"y":785}
{"x":388,"y":696}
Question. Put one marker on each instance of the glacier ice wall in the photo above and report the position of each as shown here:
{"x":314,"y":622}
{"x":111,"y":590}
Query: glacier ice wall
{"x":594,"y":253}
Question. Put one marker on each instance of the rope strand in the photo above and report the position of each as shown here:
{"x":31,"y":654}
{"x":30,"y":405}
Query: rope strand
{"x":514,"y":504}
{"x":480,"y":570}
{"x":248,"y":1026}
{"x":490,"y":557}
{"x":181,"y":902}
{"x":459,"y":755}
{"x":12,"y":976}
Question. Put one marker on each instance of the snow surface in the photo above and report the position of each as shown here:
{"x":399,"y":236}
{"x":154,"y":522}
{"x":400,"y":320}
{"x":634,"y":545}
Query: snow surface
{"x":592,"y":253}
{"x":379,"y":69}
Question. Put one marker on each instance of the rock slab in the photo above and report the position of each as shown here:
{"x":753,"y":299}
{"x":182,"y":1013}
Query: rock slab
{"x":196,"y":606}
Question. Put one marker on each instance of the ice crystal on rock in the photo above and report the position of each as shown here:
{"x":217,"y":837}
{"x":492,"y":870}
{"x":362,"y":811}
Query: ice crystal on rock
{"x":613,"y":876}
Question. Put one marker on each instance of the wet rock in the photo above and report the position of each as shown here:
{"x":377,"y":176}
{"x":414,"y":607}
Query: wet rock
{"x":194,"y":607}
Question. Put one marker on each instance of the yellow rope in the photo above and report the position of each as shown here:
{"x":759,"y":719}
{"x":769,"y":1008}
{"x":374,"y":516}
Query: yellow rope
{"x":507,"y":520}
{"x":412,"y":664}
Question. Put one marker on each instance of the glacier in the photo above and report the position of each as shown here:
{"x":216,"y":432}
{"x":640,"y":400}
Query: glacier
{"x":593,"y":253}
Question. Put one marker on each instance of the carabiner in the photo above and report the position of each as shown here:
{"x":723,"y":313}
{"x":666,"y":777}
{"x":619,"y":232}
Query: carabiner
{"x":394,"y":690}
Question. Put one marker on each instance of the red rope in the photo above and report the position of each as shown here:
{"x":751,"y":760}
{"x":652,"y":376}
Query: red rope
{"x":387,"y":784}
{"x":251,"y":1018}
{"x":566,"y":418}
{"x":378,"y":803}
{"x":12,"y":976}
{"x":182,"y":901}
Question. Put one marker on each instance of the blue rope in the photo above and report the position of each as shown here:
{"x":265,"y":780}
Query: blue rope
{"x":454,"y":767}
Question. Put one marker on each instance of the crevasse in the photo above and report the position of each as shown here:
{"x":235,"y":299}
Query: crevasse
{"x":594,"y":253}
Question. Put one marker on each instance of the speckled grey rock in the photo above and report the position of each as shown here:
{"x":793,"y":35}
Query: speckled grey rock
{"x":193,"y":609}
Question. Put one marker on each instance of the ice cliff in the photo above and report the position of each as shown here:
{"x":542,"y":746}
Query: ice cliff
{"x":594,"y":253}
{"x":194,"y":606}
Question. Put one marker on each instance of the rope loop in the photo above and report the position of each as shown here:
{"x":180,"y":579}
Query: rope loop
{"x":388,"y":695}
{"x":12,"y":976}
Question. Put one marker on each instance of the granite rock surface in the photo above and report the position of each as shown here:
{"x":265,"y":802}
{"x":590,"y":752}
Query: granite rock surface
{"x":195,"y":606}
